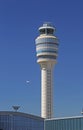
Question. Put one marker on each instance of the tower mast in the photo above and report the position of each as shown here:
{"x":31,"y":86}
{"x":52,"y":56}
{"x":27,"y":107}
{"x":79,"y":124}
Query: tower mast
{"x":46,"y":48}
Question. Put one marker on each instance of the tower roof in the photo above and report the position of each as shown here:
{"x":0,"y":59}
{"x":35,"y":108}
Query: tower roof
{"x":47,"y":25}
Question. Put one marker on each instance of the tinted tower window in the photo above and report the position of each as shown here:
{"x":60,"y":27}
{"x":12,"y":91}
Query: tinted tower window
{"x":50,"y":31}
{"x":42,"y":31}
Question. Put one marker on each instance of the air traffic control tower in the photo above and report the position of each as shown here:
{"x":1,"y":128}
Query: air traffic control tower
{"x":47,"y":49}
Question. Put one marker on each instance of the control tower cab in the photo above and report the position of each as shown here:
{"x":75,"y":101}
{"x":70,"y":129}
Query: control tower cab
{"x":46,"y":44}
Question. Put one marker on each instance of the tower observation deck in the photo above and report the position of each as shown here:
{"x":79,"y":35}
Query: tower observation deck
{"x":47,"y":49}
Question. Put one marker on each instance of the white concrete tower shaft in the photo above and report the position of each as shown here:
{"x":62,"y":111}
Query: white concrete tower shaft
{"x":46,"y":48}
{"x":46,"y":90}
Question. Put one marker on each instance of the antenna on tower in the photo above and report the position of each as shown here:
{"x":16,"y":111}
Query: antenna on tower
{"x":16,"y":108}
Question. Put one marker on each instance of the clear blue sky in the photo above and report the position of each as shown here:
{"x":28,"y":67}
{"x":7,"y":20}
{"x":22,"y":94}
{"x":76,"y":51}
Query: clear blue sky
{"x":19,"y":22}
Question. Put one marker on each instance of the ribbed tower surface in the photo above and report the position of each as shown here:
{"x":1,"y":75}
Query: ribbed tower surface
{"x":47,"y":49}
